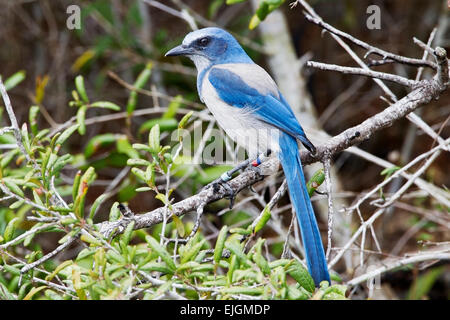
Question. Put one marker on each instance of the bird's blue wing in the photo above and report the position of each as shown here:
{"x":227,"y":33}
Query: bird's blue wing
{"x":258,"y":93}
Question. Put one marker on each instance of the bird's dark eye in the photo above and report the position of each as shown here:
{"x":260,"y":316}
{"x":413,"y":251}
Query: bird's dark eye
{"x":203,"y":42}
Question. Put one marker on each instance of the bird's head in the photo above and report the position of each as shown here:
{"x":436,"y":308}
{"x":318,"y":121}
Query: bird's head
{"x":210,"y":46}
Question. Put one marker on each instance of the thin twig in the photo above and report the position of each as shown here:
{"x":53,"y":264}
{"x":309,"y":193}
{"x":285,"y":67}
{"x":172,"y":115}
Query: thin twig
{"x":363,"y":72}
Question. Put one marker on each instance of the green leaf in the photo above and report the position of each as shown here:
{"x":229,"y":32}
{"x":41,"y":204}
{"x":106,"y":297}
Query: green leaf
{"x":301,"y":275}
{"x":140,"y":146}
{"x":124,"y":146}
{"x":265,"y":216}
{"x":143,"y":189}
{"x":192,"y":252}
{"x":161,"y":252}
{"x":389,"y":171}
{"x":90,"y":239}
{"x":241,"y":231}
{"x":81,"y":117}
{"x":60,"y":163}
{"x":164,"y":124}
{"x":140,"y":82}
{"x":105,"y":105}
{"x":234,"y":264}
{"x":335,"y":292}
{"x":179,"y":225}
{"x":316,"y":180}
{"x":16,"y":204}
{"x":101,"y":140}
{"x":14,"y":80}
{"x":185,"y":119}
{"x":87,"y":178}
{"x":5,"y":294}
{"x":155,"y":266}
{"x":10,"y":228}
{"x":144,"y":76}
{"x":263,"y":10}
{"x":236,"y":249}
{"x":132,"y":102}
{"x":13,"y":187}
{"x":79,"y":84}
{"x":260,"y":261}
{"x":173,"y":107}
{"x":32,"y":117}
{"x":243,"y":290}
{"x":11,"y":269}
{"x":76,"y":185}
{"x":137,"y":162}
{"x":296,"y":294}
{"x":220,"y":243}
{"x":33,"y":291}
{"x":254,"y":22}
{"x":139,"y":173}
{"x":114,"y":213}
{"x":62,"y":266}
{"x":153,"y":139}
{"x":234,"y":1}
{"x":423,"y":284}
{"x":96,"y":204}
{"x":127,"y":233}
{"x":187,"y":265}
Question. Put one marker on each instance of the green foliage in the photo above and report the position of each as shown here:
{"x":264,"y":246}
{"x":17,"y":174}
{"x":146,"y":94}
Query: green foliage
{"x":134,"y":264}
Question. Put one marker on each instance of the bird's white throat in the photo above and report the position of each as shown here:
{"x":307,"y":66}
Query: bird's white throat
{"x":200,"y":62}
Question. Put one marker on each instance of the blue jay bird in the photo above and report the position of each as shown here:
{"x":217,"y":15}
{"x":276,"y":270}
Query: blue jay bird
{"x":247,"y":104}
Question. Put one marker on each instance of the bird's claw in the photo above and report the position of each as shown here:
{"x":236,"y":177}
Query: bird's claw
{"x":230,"y":194}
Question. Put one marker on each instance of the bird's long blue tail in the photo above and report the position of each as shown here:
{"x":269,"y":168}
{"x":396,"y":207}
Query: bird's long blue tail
{"x":292,"y":167}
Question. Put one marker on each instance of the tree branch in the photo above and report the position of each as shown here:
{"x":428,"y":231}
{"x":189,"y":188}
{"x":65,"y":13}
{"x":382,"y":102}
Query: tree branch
{"x":362,"y":72}
{"x":370,"y":49}
{"x":423,"y":94}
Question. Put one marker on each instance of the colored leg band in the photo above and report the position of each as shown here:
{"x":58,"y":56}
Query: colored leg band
{"x":256,"y":162}
{"x":225,"y":177}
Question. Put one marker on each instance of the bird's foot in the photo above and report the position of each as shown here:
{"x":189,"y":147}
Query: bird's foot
{"x":228,"y":175}
{"x":230,"y":194}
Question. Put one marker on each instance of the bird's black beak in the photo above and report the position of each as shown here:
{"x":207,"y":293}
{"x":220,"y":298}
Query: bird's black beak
{"x":179,"y":51}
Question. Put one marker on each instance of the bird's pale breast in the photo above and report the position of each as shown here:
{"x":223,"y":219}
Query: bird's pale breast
{"x":241,"y":124}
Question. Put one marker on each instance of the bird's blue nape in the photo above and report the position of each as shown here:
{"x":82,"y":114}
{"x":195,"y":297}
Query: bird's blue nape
{"x":212,"y":46}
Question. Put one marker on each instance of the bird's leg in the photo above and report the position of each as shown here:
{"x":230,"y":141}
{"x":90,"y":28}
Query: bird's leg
{"x":227,"y":176}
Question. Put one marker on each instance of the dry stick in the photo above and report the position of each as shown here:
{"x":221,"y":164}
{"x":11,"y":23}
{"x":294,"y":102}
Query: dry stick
{"x":326,"y":168}
{"x":435,"y":192}
{"x":396,"y":174}
{"x":407,"y":235}
{"x":286,"y":252}
{"x":26,"y":234}
{"x":364,"y":72}
{"x":12,"y":118}
{"x":431,"y":215}
{"x":49,"y":255}
{"x":392,"y":263}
